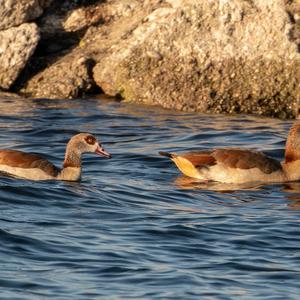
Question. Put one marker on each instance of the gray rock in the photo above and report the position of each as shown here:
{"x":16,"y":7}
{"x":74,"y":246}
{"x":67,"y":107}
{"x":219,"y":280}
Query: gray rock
{"x":17,"y":44}
{"x":67,"y":78}
{"x":71,"y":74}
{"x":208,"y":56}
{"x":233,"y":56}
{"x":17,"y":12}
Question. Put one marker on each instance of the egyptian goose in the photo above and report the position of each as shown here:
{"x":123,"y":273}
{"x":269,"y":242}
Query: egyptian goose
{"x":34,"y":167}
{"x":234,"y":165}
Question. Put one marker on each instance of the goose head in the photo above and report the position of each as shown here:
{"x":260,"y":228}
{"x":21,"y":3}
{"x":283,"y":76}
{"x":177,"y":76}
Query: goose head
{"x":86,"y":142}
{"x":79,"y":144}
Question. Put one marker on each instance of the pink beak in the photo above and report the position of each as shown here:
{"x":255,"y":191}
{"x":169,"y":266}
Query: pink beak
{"x":101,"y":151}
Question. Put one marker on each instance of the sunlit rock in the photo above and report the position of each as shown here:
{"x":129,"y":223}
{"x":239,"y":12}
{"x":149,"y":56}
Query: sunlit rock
{"x":17,"y":44}
{"x":67,"y":78}
{"x":208,"y":56}
{"x":105,"y":25}
{"x":17,"y":12}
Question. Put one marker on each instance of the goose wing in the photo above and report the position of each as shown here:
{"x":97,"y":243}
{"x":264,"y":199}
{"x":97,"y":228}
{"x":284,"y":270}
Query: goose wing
{"x":189,"y":162}
{"x":19,"y":159}
{"x":246,"y":159}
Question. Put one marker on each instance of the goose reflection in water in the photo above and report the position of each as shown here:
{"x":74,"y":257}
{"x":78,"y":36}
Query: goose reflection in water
{"x":293,"y":194}
{"x":291,"y":189}
{"x":184,"y":182}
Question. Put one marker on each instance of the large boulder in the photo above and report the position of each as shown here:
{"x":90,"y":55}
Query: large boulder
{"x":208,"y":56}
{"x":67,"y":78}
{"x":17,"y":12}
{"x":17,"y":44}
{"x":70,"y":75}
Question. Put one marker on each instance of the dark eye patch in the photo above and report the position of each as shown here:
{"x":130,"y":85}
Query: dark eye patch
{"x":90,"y":140}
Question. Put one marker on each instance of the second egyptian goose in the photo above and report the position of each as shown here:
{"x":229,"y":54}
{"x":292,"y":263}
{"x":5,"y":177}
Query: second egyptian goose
{"x":234,"y":165}
{"x":34,"y":167}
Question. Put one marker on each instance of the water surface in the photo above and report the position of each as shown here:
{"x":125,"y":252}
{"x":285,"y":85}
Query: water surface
{"x":133,"y":228}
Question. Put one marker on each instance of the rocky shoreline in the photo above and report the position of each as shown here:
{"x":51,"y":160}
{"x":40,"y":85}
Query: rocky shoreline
{"x":217,"y":56}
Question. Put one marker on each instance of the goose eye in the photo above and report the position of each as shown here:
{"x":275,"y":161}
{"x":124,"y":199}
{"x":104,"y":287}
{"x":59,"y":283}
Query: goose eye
{"x":90,"y":140}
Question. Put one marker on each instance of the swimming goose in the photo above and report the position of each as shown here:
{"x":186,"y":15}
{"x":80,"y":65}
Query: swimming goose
{"x":234,"y":165}
{"x":34,"y":167}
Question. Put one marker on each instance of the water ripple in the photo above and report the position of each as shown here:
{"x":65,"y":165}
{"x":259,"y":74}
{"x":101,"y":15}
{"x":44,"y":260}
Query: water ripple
{"x":133,"y":228}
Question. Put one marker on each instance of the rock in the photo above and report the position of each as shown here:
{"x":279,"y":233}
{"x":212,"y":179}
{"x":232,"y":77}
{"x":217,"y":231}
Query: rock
{"x":208,"y":56}
{"x":8,"y":95}
{"x":67,"y":78}
{"x":17,"y":12}
{"x":17,"y":44}
{"x":84,"y":17}
{"x":64,"y":78}
{"x":232,"y":56}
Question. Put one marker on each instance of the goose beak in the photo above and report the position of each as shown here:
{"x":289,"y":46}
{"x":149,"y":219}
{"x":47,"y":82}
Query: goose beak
{"x":101,"y":151}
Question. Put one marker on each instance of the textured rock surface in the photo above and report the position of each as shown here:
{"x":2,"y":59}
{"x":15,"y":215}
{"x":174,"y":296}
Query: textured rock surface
{"x":16,"y":12}
{"x":235,"y":56}
{"x":16,"y":46}
{"x":8,"y":95}
{"x":64,"y":79}
{"x":208,"y":56}
{"x":69,"y":78}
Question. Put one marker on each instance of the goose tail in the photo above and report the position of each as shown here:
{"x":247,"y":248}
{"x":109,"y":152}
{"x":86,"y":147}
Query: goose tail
{"x":167,"y":154}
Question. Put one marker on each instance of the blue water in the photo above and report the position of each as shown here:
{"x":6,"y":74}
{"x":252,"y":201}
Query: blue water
{"x":133,"y":228}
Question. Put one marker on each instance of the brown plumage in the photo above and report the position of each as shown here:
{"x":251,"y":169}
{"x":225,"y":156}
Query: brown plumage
{"x":234,"y":165}
{"x":19,"y":159}
{"x":34,"y":167}
{"x":232,"y":158}
{"x":246,"y":159}
{"x":201,"y":158}
{"x":292,"y":146}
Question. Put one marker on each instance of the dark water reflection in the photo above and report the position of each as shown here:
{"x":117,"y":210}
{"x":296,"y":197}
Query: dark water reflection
{"x":133,"y":228}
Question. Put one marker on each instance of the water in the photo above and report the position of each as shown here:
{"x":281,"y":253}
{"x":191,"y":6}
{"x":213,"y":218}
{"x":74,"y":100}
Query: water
{"x":133,"y":228}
